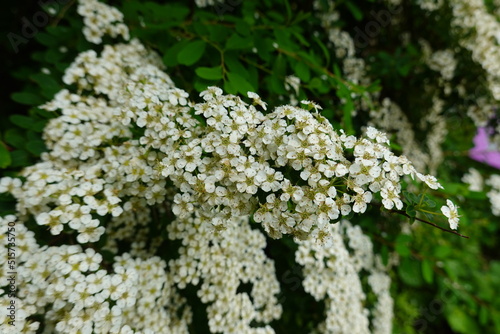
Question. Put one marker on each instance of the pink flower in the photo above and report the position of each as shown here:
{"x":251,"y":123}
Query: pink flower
{"x":484,"y":151}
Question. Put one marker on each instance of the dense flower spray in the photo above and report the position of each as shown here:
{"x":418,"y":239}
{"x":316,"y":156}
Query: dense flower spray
{"x":128,"y":145}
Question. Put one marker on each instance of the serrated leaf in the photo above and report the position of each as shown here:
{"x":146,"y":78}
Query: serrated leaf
{"x":209,"y":73}
{"x":191,"y":53}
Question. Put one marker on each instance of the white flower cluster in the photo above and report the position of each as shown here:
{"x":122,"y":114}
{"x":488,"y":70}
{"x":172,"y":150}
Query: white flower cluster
{"x":387,"y":115}
{"x":101,"y":19}
{"x":494,"y":193}
{"x":222,"y":261}
{"x":490,"y":185}
{"x":333,"y":274}
{"x":206,"y":3}
{"x":391,"y":118}
{"x":480,"y":31}
{"x":430,"y":5}
{"x":442,"y":61}
{"x":477,"y":30}
{"x":75,"y":293}
{"x":474,"y":179}
{"x":129,"y":145}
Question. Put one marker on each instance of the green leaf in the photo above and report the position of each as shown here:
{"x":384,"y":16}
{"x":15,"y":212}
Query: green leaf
{"x":209,"y":73}
{"x":483,"y":315}
{"x":22,"y":121}
{"x":233,"y":63}
{"x":15,"y":138}
{"x":239,"y":83}
{"x":301,"y":16}
{"x":429,"y":202}
{"x":410,"y":211}
{"x":410,"y":272}
{"x":348,"y":107}
{"x":53,"y":56}
{"x":411,"y":197}
{"x":218,"y":33}
{"x":384,"y":253}
{"x":242,"y":28}
{"x":355,"y":11}
{"x":229,"y":87}
{"x":427,"y":271}
{"x":5,"y":159}
{"x":454,"y":268}
{"x":27,"y":98}
{"x":283,"y":39}
{"x":20,"y":158}
{"x":302,"y":71}
{"x":45,"y":81}
{"x":326,"y":53}
{"x":36,"y":147}
{"x":236,"y":42}
{"x":461,"y":322}
{"x":301,"y":39}
{"x":46,"y":39}
{"x":401,"y":245}
{"x":170,"y":57}
{"x":328,"y":113}
{"x":442,"y":251}
{"x":191,"y":53}
{"x":200,"y":85}
{"x":200,"y":28}
{"x":28,"y":122}
{"x":48,"y":85}
{"x":264,"y":47}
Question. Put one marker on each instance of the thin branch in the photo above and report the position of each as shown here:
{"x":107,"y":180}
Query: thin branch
{"x":429,"y":223}
{"x":401,"y":212}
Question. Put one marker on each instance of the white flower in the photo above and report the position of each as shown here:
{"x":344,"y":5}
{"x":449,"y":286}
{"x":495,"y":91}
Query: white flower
{"x":450,"y":211}
{"x":311,"y":105}
{"x":257,"y":100}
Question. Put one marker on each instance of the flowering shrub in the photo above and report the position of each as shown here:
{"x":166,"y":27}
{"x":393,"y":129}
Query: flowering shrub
{"x":180,"y":177}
